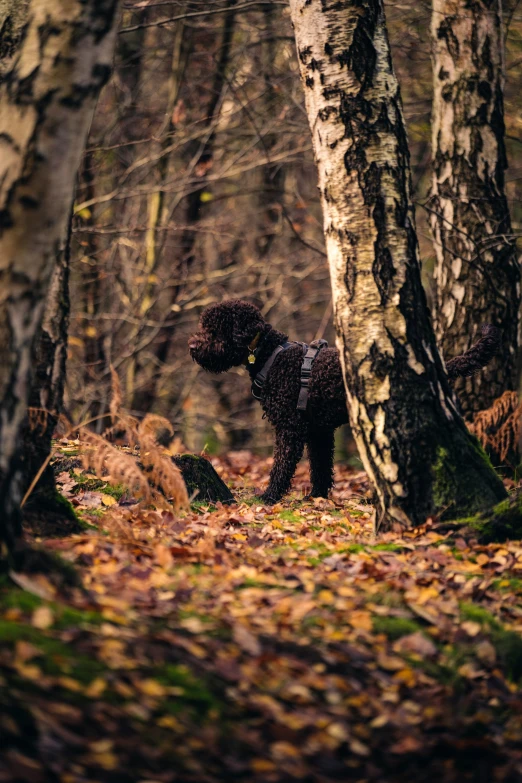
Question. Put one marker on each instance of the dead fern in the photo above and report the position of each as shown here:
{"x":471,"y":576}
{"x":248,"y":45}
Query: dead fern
{"x":498,"y":428}
{"x":114,"y":466}
{"x":161,"y":470}
{"x":124,"y":425}
{"x":37,"y":418}
{"x":157,"y":478}
{"x":116,"y":396}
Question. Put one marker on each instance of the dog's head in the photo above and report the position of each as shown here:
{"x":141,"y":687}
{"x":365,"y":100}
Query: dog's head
{"x":225,"y":332}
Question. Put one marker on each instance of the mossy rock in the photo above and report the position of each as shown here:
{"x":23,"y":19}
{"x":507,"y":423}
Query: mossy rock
{"x":48,"y":514}
{"x":201,"y":478}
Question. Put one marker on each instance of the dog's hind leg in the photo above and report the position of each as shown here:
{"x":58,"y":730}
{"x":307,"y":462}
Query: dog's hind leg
{"x":289,"y":446}
{"x":321,"y":455}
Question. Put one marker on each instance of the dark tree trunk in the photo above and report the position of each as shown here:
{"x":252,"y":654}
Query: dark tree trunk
{"x":413,"y":443}
{"x":46,"y":397}
{"x":477,"y":274}
{"x":94,"y":359}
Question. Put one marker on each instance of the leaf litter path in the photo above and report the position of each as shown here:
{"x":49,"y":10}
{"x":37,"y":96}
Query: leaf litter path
{"x":263,"y":644}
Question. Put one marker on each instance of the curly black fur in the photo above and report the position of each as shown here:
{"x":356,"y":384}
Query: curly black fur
{"x":225,"y":333}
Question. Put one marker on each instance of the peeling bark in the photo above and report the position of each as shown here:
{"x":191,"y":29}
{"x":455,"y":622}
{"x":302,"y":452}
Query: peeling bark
{"x":47,"y":99}
{"x":477,"y":274}
{"x":411,"y":439}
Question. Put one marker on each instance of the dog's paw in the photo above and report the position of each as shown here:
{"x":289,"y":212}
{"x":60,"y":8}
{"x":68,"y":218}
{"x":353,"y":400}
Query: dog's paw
{"x":267,"y":500}
{"x":316,"y":495}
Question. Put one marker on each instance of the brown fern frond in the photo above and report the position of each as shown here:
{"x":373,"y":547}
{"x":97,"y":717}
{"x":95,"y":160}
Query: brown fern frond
{"x":37,"y":418}
{"x":124,"y":426}
{"x":116,"y":396}
{"x":158,"y":463}
{"x":508,"y":436}
{"x":498,"y":428}
{"x":114,"y":466}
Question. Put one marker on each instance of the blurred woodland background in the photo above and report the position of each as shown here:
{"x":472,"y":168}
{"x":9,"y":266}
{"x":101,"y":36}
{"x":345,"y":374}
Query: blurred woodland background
{"x":198,"y":184}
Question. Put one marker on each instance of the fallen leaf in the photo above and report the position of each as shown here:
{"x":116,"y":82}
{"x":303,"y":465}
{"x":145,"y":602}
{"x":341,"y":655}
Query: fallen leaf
{"x":42,"y":617}
{"x":246,"y":640}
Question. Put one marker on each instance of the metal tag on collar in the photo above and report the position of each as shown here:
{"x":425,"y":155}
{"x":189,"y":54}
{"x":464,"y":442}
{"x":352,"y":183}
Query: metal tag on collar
{"x":252,"y":347}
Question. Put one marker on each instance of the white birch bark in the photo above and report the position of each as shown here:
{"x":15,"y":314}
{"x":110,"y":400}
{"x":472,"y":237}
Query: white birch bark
{"x":477,"y":274}
{"x":47,"y":98}
{"x":411,"y":439}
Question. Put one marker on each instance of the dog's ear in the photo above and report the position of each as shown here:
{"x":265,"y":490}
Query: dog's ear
{"x":246,"y":325}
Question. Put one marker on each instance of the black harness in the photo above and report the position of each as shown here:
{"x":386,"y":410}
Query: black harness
{"x":310,"y":353}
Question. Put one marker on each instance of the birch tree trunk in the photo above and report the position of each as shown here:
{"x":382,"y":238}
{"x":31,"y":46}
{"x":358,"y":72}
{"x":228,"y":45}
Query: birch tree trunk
{"x":47,"y":99}
{"x":477,"y":274}
{"x":411,"y":439}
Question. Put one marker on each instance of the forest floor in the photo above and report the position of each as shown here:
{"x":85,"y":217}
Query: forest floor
{"x":247,"y":643}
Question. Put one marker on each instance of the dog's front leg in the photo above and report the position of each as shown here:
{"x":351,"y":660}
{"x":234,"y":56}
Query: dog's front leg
{"x":289,"y":445}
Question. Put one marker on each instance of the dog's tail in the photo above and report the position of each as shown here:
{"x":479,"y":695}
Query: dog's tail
{"x":478,"y":356}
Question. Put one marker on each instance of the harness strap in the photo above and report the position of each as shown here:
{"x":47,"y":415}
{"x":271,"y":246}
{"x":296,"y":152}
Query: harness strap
{"x":306,"y":371}
{"x":259,"y":380}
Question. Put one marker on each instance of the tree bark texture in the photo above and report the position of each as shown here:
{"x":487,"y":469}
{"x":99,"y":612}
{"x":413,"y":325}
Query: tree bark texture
{"x":411,"y":439}
{"x":47,"y":98}
{"x":12,"y":19}
{"x":46,"y":396}
{"x":477,"y":274}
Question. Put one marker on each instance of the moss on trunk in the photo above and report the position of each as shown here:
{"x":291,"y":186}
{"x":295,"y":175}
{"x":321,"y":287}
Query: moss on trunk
{"x":502,"y":522}
{"x":201,"y":478}
{"x":468,"y":486}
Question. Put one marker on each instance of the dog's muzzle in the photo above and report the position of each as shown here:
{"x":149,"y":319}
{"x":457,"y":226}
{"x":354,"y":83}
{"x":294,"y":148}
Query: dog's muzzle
{"x":194,"y":344}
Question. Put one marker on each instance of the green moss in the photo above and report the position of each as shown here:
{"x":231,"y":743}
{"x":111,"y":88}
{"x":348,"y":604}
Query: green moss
{"x":14,"y":598}
{"x":86,"y":483}
{"x":64,"y":616}
{"x":352,"y":549}
{"x":502,"y":522}
{"x":478,"y":614}
{"x":464,"y":481}
{"x":508,"y":583}
{"x":386,"y":548}
{"x":202,"y":506}
{"x":114,"y":490}
{"x":56,"y":657}
{"x":193,"y":691}
{"x":290,"y":516}
{"x":394,"y":627}
{"x":60,"y":503}
{"x":93,"y":512}
{"x":389,"y":598}
{"x":508,"y":644}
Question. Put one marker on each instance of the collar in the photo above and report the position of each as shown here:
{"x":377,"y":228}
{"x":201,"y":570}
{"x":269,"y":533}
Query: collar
{"x":252,"y":349}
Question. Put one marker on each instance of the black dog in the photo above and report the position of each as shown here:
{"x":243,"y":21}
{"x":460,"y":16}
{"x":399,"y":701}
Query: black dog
{"x":234,"y":333}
